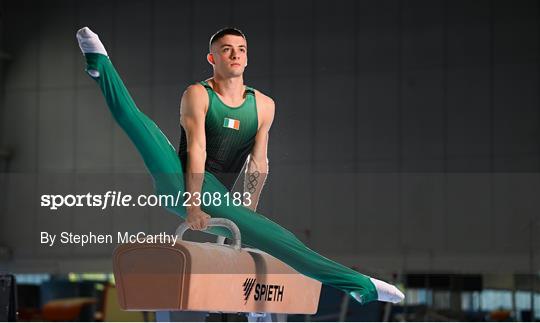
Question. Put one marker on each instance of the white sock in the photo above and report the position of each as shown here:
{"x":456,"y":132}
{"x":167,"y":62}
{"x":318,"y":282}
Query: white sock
{"x":89,"y":42}
{"x":387,"y":292}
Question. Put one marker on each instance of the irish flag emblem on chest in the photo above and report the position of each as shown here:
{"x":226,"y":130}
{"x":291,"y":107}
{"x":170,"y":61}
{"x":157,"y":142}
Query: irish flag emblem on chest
{"x":231,"y":123}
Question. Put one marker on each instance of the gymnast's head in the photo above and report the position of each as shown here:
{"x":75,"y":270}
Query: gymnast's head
{"x":228,"y":52}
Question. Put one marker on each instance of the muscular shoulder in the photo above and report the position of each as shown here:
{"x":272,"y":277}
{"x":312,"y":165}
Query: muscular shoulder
{"x":194,"y":97}
{"x":264,"y":99}
{"x":265,"y":106}
{"x":265,"y":102}
{"x":195,"y":92}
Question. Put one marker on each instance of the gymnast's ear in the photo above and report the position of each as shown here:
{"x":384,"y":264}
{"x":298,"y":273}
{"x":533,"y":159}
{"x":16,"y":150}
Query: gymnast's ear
{"x":210,"y":58}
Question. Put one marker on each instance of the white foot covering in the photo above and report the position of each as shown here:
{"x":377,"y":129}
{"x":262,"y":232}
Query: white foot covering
{"x":387,"y":292}
{"x":89,"y":42}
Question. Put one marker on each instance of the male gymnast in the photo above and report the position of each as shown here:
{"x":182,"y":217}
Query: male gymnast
{"x":223,"y":122}
{"x":229,"y":58}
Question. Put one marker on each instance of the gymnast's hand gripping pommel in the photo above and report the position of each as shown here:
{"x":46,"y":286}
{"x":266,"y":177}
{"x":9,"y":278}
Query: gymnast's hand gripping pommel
{"x":165,"y":168}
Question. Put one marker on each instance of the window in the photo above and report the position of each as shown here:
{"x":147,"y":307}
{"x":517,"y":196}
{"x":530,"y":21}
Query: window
{"x":32,"y":279}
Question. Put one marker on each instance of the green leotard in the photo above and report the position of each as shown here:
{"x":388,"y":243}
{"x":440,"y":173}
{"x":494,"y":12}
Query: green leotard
{"x":257,"y":231}
{"x":230,"y":136}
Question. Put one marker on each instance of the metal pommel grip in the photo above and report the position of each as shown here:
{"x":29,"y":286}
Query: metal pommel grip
{"x":216,"y":222}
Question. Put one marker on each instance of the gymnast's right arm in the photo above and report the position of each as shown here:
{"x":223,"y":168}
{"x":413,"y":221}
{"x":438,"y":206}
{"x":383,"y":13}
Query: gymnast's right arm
{"x":192,"y":118}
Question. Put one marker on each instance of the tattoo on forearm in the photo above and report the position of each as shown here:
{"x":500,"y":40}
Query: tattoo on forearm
{"x":253,"y":181}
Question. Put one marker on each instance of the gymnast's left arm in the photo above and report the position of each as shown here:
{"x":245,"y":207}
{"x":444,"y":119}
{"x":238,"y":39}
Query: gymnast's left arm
{"x":257,"y":167}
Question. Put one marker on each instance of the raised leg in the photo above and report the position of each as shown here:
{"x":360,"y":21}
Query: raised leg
{"x":257,"y":231}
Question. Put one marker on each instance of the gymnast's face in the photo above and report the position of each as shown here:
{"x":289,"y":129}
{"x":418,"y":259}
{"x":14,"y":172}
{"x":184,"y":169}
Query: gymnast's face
{"x":228,"y":55}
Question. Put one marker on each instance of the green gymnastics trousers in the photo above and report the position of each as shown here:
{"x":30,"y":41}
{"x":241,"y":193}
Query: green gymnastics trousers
{"x":257,"y":231}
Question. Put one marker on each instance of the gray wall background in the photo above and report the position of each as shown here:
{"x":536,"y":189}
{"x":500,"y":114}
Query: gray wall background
{"x":407,"y":133}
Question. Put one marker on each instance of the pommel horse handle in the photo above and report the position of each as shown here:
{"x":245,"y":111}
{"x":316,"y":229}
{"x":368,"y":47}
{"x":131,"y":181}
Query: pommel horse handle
{"x":216,"y":222}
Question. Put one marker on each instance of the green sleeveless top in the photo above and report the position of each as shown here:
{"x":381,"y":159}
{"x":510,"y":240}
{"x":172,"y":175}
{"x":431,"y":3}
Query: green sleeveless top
{"x":230,"y":136}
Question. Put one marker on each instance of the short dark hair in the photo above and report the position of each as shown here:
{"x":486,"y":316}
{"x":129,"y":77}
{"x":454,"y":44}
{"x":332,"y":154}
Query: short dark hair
{"x":225,"y":31}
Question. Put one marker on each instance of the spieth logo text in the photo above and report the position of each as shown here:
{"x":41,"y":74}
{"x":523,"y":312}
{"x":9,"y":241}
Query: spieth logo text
{"x":263,"y":292}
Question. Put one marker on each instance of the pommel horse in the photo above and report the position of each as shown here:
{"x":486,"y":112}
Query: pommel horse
{"x":209,"y":277}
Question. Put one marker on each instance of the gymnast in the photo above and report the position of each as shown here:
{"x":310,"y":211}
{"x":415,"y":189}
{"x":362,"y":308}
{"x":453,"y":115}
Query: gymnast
{"x":223,"y":124}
